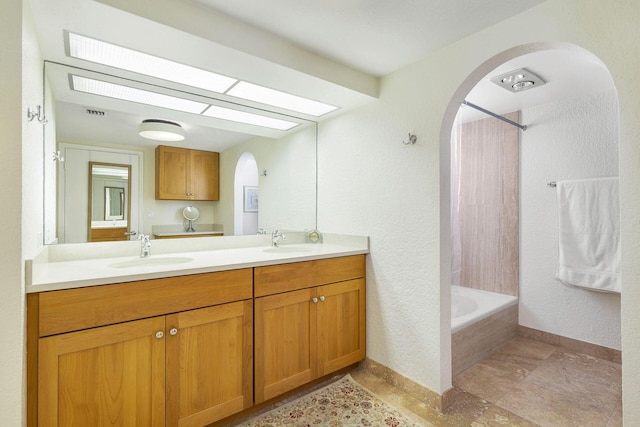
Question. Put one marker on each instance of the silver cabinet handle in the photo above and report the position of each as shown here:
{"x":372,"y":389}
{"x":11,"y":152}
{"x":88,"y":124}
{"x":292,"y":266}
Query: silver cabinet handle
{"x":173,"y":331}
{"x":322,"y":298}
{"x":130,"y":233}
{"x":159,"y":334}
{"x":314,"y":300}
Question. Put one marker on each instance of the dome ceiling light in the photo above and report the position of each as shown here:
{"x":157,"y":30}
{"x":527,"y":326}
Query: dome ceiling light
{"x":161,"y":130}
{"x":518,"y":80}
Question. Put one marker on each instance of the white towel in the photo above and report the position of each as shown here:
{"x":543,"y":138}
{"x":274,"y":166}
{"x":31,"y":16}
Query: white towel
{"x":589,"y":232}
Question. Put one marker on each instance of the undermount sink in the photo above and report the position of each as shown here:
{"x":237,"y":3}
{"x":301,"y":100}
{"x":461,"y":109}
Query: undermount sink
{"x":141,"y":262}
{"x":290,"y":249}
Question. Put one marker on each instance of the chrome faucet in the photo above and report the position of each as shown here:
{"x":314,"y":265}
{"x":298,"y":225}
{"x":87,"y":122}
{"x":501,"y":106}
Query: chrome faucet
{"x":276,"y":236}
{"x":145,"y":246}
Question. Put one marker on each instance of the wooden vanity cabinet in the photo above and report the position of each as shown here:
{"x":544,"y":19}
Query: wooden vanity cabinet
{"x":175,"y":351}
{"x":183,"y":174}
{"x":192,"y":350}
{"x":309,"y":322}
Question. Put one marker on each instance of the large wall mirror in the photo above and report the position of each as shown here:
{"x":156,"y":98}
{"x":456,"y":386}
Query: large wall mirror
{"x":85,"y":128}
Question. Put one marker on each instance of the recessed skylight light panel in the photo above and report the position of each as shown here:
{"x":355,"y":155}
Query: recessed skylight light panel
{"x":126,"y":93}
{"x":248,"y":118}
{"x":276,"y":98}
{"x":93,"y":50}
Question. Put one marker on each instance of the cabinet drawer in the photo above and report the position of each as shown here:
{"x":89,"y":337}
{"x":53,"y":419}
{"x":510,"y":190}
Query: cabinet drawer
{"x":275,"y":279}
{"x":82,"y":308}
{"x":109,"y":234}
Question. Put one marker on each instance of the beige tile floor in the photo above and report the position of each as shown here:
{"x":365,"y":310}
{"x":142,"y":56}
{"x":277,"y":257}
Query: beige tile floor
{"x":523,"y":383}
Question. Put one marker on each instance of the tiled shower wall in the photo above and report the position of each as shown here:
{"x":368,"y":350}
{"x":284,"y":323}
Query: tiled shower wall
{"x":488,"y":205}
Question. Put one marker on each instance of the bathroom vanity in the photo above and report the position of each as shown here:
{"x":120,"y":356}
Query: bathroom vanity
{"x":179,"y":342}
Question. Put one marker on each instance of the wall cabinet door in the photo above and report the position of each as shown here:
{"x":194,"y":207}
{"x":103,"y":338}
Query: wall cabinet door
{"x":341,"y":325}
{"x":183,"y":174}
{"x":107,"y":376}
{"x":171,"y":172}
{"x":204,"y":175}
{"x":209,"y":363}
{"x":285,"y":343}
{"x":115,"y":375}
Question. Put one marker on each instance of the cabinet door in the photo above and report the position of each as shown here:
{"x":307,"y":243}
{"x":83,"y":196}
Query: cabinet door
{"x":285,"y":340}
{"x":107,"y":376}
{"x":341,"y":325}
{"x":203,"y":175}
{"x":171,"y":172}
{"x":209,"y":363}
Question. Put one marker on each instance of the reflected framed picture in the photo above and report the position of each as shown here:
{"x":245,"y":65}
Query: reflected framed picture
{"x":250,"y":199}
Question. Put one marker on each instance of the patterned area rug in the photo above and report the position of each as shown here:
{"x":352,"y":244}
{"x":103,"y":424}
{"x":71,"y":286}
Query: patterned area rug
{"x":342,"y":403}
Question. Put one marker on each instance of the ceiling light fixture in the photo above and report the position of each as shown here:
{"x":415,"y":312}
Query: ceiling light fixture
{"x":104,"y":53}
{"x":161,"y":130}
{"x":518,"y":80}
{"x":276,"y":98}
{"x":522,"y":85}
{"x":248,"y":118}
{"x":126,"y":93}
{"x":93,"y":50}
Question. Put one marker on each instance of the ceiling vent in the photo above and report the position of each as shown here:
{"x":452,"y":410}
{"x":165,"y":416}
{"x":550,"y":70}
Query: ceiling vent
{"x":93,"y":112}
{"x":518,"y":80}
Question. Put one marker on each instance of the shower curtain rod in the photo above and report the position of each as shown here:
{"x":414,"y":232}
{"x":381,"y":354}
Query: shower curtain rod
{"x":497,"y":116}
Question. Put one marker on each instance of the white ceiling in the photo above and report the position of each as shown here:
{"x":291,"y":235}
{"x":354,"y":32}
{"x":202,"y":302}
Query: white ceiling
{"x":328,"y":50}
{"x":375,"y":36}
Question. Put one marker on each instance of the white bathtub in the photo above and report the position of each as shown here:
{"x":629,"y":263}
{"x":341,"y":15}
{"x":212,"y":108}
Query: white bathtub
{"x":469,"y":306}
{"x":480,"y":322}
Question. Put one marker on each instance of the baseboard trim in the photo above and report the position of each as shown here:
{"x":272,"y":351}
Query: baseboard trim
{"x":425,"y":395}
{"x":578,"y":346}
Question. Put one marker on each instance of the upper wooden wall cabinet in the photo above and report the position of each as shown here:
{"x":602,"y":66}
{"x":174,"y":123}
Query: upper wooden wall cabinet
{"x":183,"y":174}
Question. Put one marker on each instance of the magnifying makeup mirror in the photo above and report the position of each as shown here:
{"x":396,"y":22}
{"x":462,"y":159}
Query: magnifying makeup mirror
{"x":190,"y":214}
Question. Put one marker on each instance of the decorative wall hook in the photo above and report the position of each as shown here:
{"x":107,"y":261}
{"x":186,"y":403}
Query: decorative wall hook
{"x":412,"y":139}
{"x":57,"y":157}
{"x":37,"y":113}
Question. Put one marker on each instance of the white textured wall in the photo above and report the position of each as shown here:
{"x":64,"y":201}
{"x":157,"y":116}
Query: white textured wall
{"x":21,"y":172}
{"x":570,"y":139}
{"x":12,"y":301}
{"x":369,"y":183}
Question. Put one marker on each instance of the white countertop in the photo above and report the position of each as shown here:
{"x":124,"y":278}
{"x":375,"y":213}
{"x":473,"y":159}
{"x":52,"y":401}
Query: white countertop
{"x":178,"y":230}
{"x":185,"y":233}
{"x":79,"y":265}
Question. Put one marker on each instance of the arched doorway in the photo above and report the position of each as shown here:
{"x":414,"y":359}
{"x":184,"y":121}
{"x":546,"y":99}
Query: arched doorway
{"x":551,"y":149}
{"x":245,"y":195}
